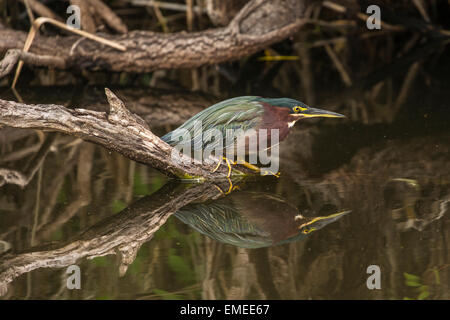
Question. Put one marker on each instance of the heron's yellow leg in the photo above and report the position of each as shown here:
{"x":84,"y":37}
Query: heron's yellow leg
{"x":217,"y":167}
{"x":257,"y":169}
{"x":230,"y":189}
{"x":268,"y":172}
{"x":229,"y":167}
{"x":248,"y":165}
{"x":231,"y":186}
{"x":229,"y":164}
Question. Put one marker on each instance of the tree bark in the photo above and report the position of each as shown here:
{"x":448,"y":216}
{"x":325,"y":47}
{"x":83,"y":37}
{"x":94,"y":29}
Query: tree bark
{"x":259,"y":24}
{"x":158,"y":107}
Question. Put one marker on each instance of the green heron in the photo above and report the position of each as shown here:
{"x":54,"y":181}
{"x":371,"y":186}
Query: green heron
{"x":252,"y":220}
{"x":248,"y":112}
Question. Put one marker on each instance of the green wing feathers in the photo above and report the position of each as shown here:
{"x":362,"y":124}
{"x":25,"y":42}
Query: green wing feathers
{"x":236,"y":113}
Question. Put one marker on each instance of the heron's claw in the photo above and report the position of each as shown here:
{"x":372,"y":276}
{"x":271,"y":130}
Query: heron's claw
{"x":268,"y":172}
{"x":229,"y":164}
{"x":230,"y":189}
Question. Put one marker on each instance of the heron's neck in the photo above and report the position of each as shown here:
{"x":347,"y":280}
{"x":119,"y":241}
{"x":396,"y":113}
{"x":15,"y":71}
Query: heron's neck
{"x":277,"y":118}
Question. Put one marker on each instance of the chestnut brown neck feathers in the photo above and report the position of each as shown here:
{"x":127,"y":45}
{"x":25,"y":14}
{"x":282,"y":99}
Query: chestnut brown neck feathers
{"x":277,"y":118}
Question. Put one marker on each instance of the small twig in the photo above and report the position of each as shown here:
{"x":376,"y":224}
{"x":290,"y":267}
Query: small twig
{"x":407,"y":83}
{"x":421,"y":8}
{"x":111,"y":19}
{"x":338,"y":8}
{"x":189,"y":15}
{"x":321,"y":43}
{"x":190,"y":25}
{"x":40,"y":9}
{"x":86,"y":15}
{"x":22,"y":179}
{"x":29,"y":12}
{"x":166,"y":5}
{"x":36,"y":208}
{"x":82,"y":198}
{"x":19,"y":154}
{"x":339,"y":66}
{"x":307,"y":74}
{"x":161,"y":19}
{"x":337,"y":24}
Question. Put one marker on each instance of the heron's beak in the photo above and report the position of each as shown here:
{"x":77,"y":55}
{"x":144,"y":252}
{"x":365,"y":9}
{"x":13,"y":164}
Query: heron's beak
{"x":320,"y":222}
{"x":313,"y":113}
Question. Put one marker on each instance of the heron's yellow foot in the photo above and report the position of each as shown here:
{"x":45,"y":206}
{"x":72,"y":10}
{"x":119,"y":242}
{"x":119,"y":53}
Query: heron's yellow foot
{"x":229,"y":163}
{"x":232,"y":187}
{"x":268,"y":172}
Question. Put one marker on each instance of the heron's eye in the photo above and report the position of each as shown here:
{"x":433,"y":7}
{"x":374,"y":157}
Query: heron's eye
{"x":306,"y":230}
{"x":297,"y":109}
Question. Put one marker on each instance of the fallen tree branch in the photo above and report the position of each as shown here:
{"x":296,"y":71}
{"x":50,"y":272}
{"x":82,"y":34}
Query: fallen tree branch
{"x":120,"y":131}
{"x":259,"y":24}
{"x":14,"y":55}
{"x":158,"y":107}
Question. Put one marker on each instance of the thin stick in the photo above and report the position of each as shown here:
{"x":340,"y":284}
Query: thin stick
{"x":190,"y":24}
{"x":320,"y":43}
{"x":338,"y":8}
{"x":40,"y":9}
{"x":338,"y":24}
{"x":166,"y":5}
{"x":339,"y":66}
{"x":421,"y":8}
{"x":37,"y":24}
{"x":189,"y":15}
{"x":407,"y":84}
{"x":29,"y":12}
{"x":161,"y":19}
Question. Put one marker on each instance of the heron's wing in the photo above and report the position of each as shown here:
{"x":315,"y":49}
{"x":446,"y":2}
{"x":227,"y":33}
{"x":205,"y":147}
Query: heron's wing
{"x":223,"y":223}
{"x":237,"y":113}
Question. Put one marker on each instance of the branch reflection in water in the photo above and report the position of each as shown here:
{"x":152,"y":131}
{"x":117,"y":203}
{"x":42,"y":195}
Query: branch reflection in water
{"x":245,"y":219}
{"x":253,"y":220}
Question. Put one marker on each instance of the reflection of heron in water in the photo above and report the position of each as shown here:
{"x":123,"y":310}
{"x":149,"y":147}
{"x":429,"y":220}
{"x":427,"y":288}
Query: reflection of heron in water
{"x":252,"y":220}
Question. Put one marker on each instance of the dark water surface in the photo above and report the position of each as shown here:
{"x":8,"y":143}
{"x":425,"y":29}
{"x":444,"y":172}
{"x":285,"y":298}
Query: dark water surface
{"x":350,"y":196}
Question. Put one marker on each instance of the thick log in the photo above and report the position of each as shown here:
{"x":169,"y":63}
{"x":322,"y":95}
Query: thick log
{"x":259,"y":24}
